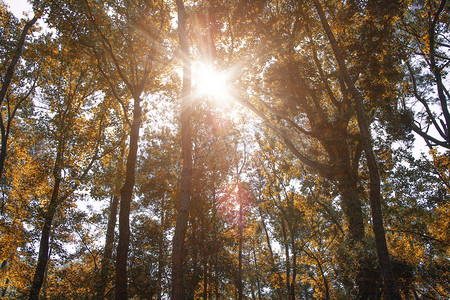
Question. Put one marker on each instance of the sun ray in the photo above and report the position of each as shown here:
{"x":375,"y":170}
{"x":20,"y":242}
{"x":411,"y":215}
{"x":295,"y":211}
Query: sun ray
{"x":212,"y":84}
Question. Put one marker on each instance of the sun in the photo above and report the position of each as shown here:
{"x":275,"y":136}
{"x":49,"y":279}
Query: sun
{"x":211,"y":83}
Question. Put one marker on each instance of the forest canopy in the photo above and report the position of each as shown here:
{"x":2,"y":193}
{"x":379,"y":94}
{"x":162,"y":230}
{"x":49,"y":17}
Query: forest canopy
{"x":212,"y":149}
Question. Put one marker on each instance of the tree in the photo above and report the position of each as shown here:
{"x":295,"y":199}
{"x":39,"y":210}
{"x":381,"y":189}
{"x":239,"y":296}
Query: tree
{"x":321,"y":109}
{"x":71,"y":135}
{"x":186,"y":150}
{"x":97,"y":27}
{"x":389,"y":280}
{"x":11,"y":59}
{"x":425,"y":25}
{"x":16,"y":54}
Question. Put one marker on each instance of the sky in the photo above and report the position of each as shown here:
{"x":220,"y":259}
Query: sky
{"x":18,"y":7}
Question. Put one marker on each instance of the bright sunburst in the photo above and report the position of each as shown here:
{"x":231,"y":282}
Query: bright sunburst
{"x":212,"y":83}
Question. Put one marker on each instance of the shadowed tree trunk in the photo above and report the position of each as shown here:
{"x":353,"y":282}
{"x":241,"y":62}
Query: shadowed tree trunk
{"x":239,"y":276}
{"x":186,"y":173}
{"x":258,"y":283}
{"x":286,"y":253}
{"x":17,"y":53}
{"x":161,"y":248}
{"x":109,"y":243}
{"x":2,"y":265}
{"x":269,"y":246}
{"x":105,"y":268}
{"x":294,"y":266}
{"x":38,"y":278}
{"x":390,"y":284}
{"x":5,"y":85}
{"x":126,"y":193}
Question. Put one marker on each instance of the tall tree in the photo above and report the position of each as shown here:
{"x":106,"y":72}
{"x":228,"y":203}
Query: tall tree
{"x":106,"y":265}
{"x":425,"y":25}
{"x":74,"y":86}
{"x":390,"y":284}
{"x":16,"y":54}
{"x":186,"y":149}
{"x":12,"y":52}
{"x":131,"y":59}
{"x":321,"y":109}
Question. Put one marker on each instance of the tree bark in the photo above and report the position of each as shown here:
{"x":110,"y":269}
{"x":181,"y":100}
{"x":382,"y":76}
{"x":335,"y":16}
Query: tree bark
{"x":5,"y":288}
{"x":294,"y":266}
{"x":38,"y":278}
{"x":239,"y":277}
{"x":109,"y":243}
{"x":17,"y":53}
{"x":205,"y":279}
{"x":269,"y":246}
{"x":186,"y":173}
{"x":352,"y":206}
{"x":126,"y":193}
{"x":390,"y":285}
{"x":286,"y":253}
{"x":258,"y":283}
{"x":161,"y":249}
{"x":4,"y":145}
{"x":105,"y":268}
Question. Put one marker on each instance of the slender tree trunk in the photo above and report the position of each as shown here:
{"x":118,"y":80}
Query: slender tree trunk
{"x":322,"y":273}
{"x":286,"y":252}
{"x":195,"y":258}
{"x":38,"y":278}
{"x":205,"y":280}
{"x":239,"y":277}
{"x":44,"y":285}
{"x":186,"y":174}
{"x":216,"y":283}
{"x":2,"y":265}
{"x":161,"y":248}
{"x":390,"y":284}
{"x":272,"y":258}
{"x":17,"y":53}
{"x":325,"y":281}
{"x":109,"y":243}
{"x":106,"y":266}
{"x":258,"y":283}
{"x":126,"y":193}
{"x":294,"y":266}
{"x":4,"y":145}
{"x":5,"y":288}
{"x":39,"y":273}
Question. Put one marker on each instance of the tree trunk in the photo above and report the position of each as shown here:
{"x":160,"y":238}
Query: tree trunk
{"x":17,"y":53}
{"x":258,"y":283}
{"x":286,"y":252}
{"x":5,"y":288}
{"x":239,"y":277}
{"x":2,"y":265}
{"x":109,"y":243}
{"x":352,"y":206}
{"x":4,"y":144}
{"x":205,"y":280}
{"x":390,"y":285}
{"x":269,"y":246}
{"x":186,"y":174}
{"x":105,"y":268}
{"x":294,"y":266}
{"x":39,"y":273}
{"x":161,"y":248}
{"x":126,"y":193}
{"x":38,"y":278}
